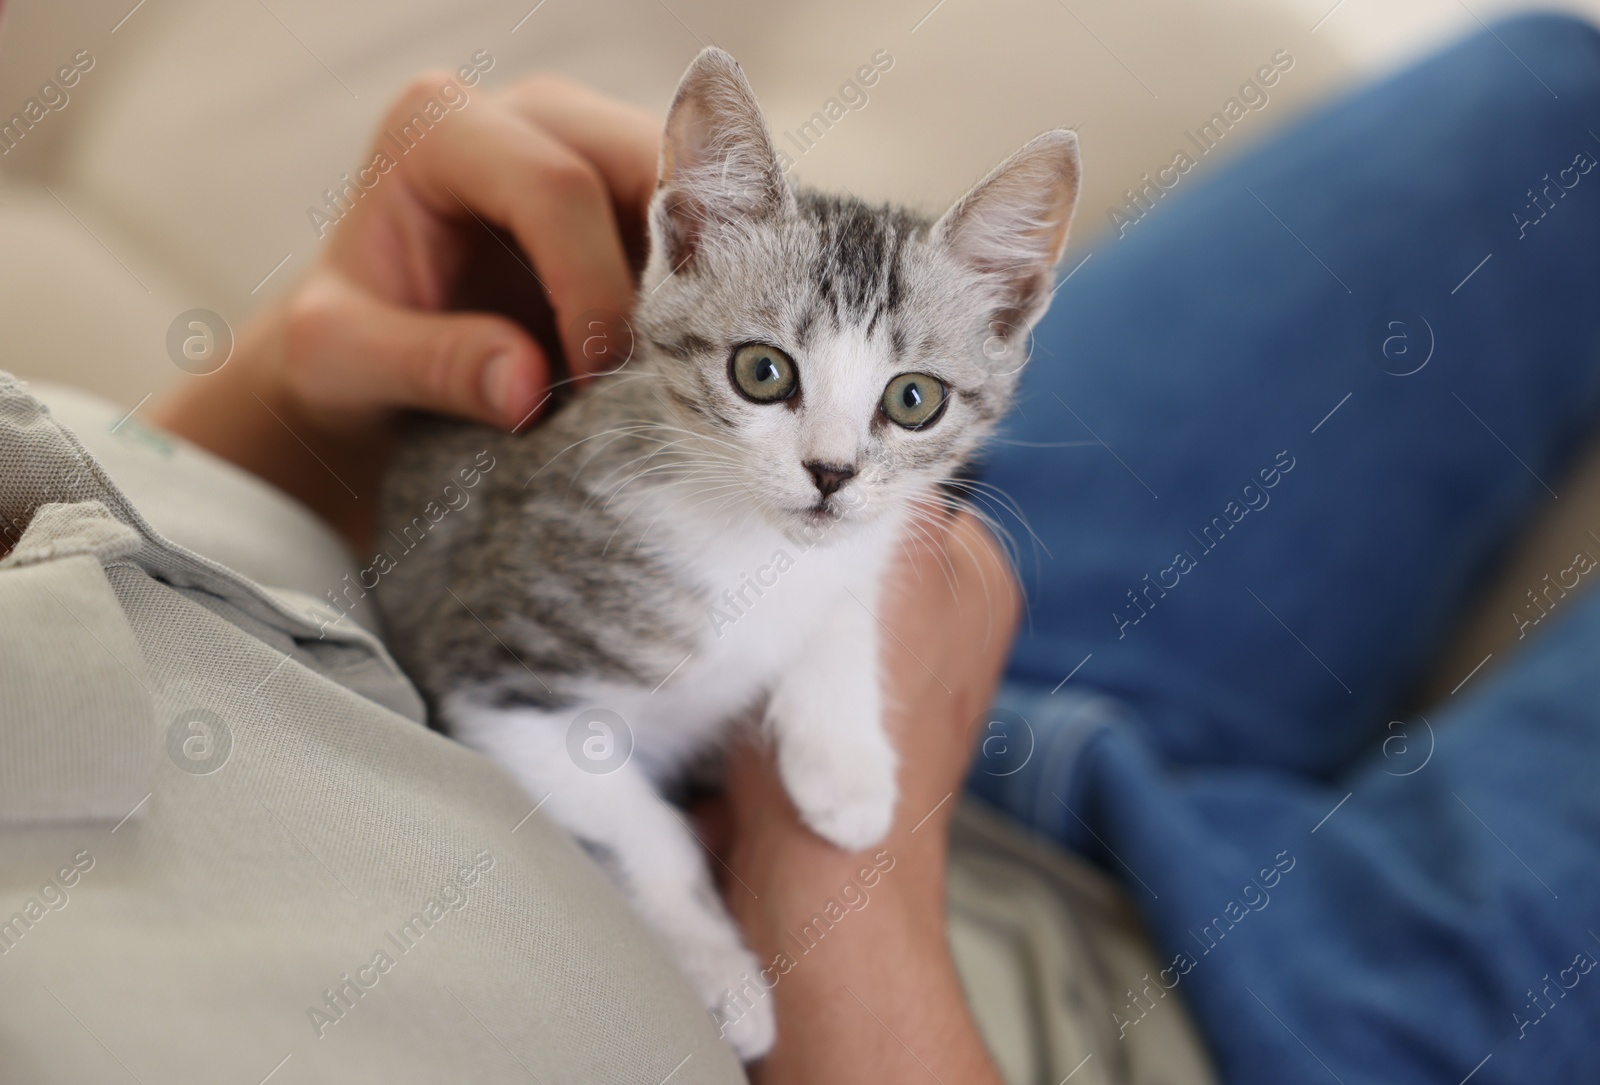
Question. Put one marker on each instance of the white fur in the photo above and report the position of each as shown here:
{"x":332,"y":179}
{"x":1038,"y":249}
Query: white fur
{"x":806,"y":647}
{"x":811,"y":641}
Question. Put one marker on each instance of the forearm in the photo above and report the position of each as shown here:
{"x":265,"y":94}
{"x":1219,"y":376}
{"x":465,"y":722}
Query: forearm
{"x":871,"y":995}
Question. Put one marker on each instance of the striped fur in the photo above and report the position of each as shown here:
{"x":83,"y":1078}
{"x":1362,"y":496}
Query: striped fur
{"x":590,"y":567}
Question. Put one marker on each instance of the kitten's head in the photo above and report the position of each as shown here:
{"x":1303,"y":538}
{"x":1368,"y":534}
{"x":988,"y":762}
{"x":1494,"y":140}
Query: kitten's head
{"x":836,"y":358}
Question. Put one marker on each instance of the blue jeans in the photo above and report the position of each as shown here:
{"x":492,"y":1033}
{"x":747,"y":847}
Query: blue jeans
{"x":1270,"y":442}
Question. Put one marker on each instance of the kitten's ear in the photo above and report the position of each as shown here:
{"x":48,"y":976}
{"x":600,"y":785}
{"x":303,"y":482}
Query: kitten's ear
{"x":1012,"y":226}
{"x":717,"y":161}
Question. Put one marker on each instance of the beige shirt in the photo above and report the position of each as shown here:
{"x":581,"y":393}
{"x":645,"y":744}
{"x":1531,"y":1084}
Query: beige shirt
{"x":229,"y":851}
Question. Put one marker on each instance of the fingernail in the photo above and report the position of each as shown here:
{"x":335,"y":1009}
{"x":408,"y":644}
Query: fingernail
{"x":500,"y":384}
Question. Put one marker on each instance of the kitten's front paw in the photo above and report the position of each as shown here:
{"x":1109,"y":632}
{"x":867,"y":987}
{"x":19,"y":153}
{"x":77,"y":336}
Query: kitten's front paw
{"x":846,"y":795}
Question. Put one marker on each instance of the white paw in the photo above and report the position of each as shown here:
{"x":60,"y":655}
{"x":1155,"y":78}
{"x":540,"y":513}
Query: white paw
{"x":753,"y":1032}
{"x":846,"y":794}
{"x":728,"y":979}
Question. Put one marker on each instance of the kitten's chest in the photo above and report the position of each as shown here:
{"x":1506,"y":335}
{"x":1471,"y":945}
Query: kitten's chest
{"x":767,"y":595}
{"x":766,"y":598}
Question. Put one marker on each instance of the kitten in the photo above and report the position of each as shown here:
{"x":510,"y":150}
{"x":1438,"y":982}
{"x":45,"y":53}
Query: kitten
{"x":704,"y":532}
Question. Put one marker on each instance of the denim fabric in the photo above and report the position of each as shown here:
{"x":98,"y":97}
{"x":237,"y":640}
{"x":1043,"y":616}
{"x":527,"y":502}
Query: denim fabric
{"x":1265,"y":520}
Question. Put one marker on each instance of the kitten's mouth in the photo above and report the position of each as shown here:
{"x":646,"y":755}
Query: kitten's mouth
{"x":825,"y":513}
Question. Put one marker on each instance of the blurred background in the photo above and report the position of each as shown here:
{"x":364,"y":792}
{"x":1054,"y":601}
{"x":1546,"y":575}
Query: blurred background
{"x":181,"y":169}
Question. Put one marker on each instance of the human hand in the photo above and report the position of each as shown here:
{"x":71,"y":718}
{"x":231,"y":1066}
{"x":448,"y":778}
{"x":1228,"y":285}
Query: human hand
{"x":881,"y":983}
{"x":567,"y":172}
{"x":309,"y":398}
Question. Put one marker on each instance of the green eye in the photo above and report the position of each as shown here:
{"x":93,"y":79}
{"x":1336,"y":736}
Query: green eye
{"x":763,"y":374}
{"x":913,"y":400}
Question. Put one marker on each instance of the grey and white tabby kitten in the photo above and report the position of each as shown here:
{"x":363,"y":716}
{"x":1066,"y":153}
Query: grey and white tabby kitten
{"x":702,"y":534}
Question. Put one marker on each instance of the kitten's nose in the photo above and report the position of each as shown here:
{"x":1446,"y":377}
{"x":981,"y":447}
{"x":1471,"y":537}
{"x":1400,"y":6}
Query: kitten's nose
{"x":829,"y":477}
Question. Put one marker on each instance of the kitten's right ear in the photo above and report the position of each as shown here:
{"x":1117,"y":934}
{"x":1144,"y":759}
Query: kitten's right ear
{"x":717,"y":161}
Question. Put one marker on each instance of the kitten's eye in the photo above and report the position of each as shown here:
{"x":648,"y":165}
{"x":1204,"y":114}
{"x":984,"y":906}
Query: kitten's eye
{"x":913,"y":400}
{"x":763,"y":374}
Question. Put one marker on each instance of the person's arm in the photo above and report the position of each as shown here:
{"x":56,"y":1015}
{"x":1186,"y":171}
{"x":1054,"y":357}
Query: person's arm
{"x":309,"y":397}
{"x":876,"y":998}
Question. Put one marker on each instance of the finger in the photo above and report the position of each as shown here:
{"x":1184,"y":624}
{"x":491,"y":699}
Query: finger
{"x":347,"y":350}
{"x":490,"y":164}
{"x":623,"y":142}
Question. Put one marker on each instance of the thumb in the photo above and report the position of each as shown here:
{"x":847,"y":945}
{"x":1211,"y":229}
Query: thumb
{"x":350,"y":351}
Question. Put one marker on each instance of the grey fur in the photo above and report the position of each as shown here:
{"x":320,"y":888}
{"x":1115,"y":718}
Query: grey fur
{"x":542,"y":581}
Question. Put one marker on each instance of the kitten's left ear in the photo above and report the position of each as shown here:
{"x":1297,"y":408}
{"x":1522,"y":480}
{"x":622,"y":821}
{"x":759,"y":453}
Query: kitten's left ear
{"x":717,"y":162}
{"x":1012,"y":226}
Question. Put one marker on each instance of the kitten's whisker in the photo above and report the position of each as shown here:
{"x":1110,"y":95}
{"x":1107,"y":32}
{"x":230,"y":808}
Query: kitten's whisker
{"x":612,"y":432}
{"x":674,"y":506}
{"x":982,"y":514}
{"x":669,"y":428}
{"x":983,"y":579}
{"x":671,"y":507}
{"x":615,"y":493}
{"x":1000,"y":534}
{"x":919,"y":536}
{"x":929,"y":537}
{"x":1042,"y":444}
{"x":735,"y":485}
{"x":988,"y":492}
{"x":579,"y":478}
{"x":676,"y":501}
{"x":583,"y":467}
{"x":608,"y":480}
